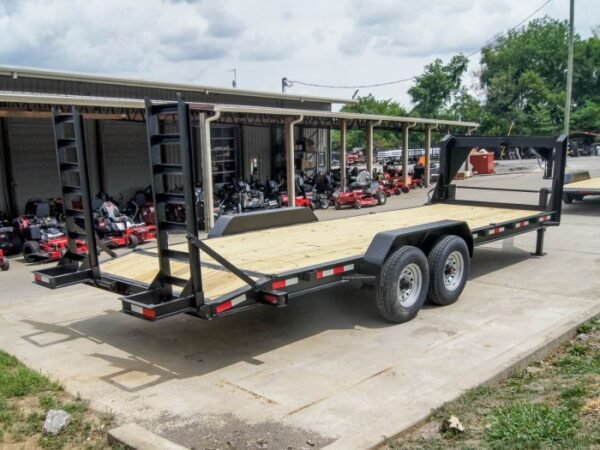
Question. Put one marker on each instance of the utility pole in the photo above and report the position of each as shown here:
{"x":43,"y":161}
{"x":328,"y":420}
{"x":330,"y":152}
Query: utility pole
{"x":569,"y":68}
{"x":234,"y":82}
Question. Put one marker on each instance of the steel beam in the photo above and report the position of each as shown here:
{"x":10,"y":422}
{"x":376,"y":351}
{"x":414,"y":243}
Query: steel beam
{"x":289,"y":158}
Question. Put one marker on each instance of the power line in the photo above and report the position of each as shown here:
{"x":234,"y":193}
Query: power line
{"x":289,"y":83}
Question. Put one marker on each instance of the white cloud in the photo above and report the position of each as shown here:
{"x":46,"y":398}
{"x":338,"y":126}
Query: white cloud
{"x":327,"y":42}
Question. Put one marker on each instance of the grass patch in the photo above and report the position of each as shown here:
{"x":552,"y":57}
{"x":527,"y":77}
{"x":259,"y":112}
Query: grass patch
{"x":25,"y":398}
{"x":553,"y":404}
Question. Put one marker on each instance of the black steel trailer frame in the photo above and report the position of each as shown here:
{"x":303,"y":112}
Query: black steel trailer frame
{"x":168,"y":295}
{"x":571,"y":193}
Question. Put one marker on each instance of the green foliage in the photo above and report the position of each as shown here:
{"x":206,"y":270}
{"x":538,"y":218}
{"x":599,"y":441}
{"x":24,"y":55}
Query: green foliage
{"x":370,"y":105}
{"x":439,"y":84}
{"x":16,"y":380}
{"x":531,"y":425}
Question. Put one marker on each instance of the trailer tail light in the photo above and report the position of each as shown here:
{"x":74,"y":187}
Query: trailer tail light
{"x":227,"y":305}
{"x":334,"y":271}
{"x":496,"y":230}
{"x":274,"y":299}
{"x":280,"y":284}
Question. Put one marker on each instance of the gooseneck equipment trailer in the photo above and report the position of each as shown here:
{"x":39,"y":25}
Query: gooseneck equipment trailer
{"x":266,"y":258}
{"x":580,"y":189}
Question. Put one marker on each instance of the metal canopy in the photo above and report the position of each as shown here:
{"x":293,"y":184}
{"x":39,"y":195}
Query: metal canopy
{"x":257,"y":115}
{"x":132,"y":109}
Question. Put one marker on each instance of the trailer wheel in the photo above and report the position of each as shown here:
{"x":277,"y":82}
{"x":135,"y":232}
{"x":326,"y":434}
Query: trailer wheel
{"x":568,"y":199}
{"x":403,"y":284}
{"x":30,"y":249}
{"x":449,"y":265}
{"x":133,"y":241}
{"x":5,"y":265}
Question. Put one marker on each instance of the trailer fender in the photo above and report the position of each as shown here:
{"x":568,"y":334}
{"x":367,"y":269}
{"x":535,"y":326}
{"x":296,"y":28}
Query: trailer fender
{"x":421,"y":236}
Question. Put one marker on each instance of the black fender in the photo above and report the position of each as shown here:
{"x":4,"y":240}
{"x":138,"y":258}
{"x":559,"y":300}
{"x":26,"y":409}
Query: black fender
{"x":421,"y":236}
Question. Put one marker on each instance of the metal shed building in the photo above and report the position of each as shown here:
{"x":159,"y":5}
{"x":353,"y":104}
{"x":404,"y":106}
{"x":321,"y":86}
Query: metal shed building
{"x":116,"y":134}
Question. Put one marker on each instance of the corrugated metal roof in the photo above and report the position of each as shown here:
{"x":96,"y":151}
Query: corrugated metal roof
{"x":13,"y":71}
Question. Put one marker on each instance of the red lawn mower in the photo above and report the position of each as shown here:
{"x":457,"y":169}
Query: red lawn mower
{"x":4,"y":263}
{"x":360,"y":196}
{"x":118,"y":230}
{"x":50,"y":249}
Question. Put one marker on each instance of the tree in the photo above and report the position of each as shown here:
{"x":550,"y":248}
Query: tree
{"x":370,"y":105}
{"x":524,"y":79}
{"x":437,"y":87}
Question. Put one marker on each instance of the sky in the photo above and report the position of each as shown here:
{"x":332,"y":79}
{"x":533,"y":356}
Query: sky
{"x":334,"y":42}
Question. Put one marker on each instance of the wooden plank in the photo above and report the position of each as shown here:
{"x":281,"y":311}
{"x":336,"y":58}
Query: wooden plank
{"x":591,"y":183}
{"x":279,"y":250}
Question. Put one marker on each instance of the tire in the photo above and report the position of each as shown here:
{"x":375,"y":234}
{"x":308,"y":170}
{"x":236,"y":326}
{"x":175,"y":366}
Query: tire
{"x":357,"y":204}
{"x":404,"y":273}
{"x":381,"y":198}
{"x":337,"y":205}
{"x":133,"y":241}
{"x":30,"y":249}
{"x":568,"y":199}
{"x":312,"y":206}
{"x":5,"y":265}
{"x":405,"y":190}
{"x":449,"y":265}
{"x":397,"y":192}
{"x":324,"y":204}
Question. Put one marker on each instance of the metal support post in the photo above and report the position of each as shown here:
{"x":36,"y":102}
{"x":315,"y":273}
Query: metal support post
{"x":343,"y":128}
{"x":289,"y":158}
{"x":405,"y":129}
{"x":428,"y":129}
{"x":370,"y":127}
{"x":207,"y":176}
{"x":539,"y":242}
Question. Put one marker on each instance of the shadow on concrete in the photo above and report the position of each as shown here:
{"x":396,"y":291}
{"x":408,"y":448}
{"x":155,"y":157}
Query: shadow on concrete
{"x":588,"y":207}
{"x":150,"y":353}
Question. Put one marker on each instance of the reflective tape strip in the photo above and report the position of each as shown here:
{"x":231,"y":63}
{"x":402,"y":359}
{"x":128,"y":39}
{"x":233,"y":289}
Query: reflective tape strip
{"x":137,"y":309}
{"x":544,"y":218}
{"x":42,"y":278}
{"x":284,"y":283}
{"x":496,"y":230}
{"x":222,"y":307}
{"x":522,"y":223}
{"x":334,"y":271}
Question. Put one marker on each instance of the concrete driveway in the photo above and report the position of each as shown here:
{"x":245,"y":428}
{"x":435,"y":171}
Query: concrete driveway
{"x":326,"y":370}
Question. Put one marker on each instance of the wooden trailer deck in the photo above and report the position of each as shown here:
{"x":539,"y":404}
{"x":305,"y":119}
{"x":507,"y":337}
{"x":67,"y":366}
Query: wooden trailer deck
{"x":589,"y":184}
{"x":279,"y":250}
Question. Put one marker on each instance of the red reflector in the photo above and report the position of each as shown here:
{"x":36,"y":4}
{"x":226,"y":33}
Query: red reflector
{"x":319,"y":275}
{"x":278,"y":284}
{"x":223,"y":307}
{"x":38,"y":277}
{"x":149,"y":313}
{"x":338,"y":270}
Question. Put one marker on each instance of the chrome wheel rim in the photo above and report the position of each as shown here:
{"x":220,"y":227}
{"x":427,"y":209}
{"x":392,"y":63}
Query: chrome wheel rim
{"x":409,"y":285}
{"x":454,"y":270}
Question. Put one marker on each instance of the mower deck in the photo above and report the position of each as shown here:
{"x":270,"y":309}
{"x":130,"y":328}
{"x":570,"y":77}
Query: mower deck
{"x":277,"y":251}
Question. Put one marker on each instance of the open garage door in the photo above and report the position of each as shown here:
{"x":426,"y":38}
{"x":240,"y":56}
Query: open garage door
{"x":125,"y":150}
{"x":34,"y":160}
